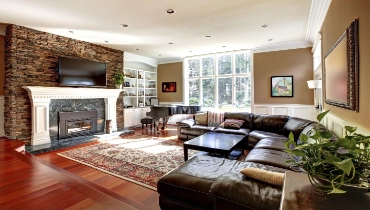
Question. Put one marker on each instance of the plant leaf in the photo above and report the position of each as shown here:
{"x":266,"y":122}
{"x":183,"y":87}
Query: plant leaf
{"x":288,"y":143}
{"x":343,"y":142}
{"x":336,"y":190}
{"x":296,"y":152}
{"x":322,"y":115}
{"x":331,"y":159}
{"x":326,"y":135}
{"x":345,"y":165}
{"x":291,"y":136}
{"x":350,"y":129}
{"x":303,"y":138}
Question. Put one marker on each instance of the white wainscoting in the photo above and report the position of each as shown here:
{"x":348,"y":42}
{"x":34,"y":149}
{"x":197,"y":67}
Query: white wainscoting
{"x":294,"y":110}
{"x":2,"y":132}
{"x":336,"y":125}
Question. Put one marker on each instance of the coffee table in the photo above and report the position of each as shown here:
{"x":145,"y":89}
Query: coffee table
{"x":221,"y":143}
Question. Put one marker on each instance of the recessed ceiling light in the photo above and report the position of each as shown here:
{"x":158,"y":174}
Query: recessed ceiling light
{"x":223,"y":46}
{"x":159,"y":55}
{"x":137,"y":49}
{"x":208,"y":36}
{"x":170,"y":43}
{"x":123,"y":25}
{"x":269,"y":40}
{"x":170,"y":11}
{"x":264,"y":25}
{"x":106,"y":41}
{"x":190,"y":51}
{"x":72,"y":32}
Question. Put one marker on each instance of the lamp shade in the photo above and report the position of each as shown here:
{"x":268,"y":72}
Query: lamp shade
{"x":312,"y":84}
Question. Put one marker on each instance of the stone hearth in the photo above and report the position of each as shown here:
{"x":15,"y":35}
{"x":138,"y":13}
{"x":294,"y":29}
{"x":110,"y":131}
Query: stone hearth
{"x":40,"y":99}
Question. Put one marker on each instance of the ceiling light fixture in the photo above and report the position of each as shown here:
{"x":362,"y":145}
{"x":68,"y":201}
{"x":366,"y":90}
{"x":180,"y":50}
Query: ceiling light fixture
{"x":170,"y":11}
{"x":264,"y":25}
{"x":123,"y":25}
{"x":190,"y":51}
{"x":72,"y":32}
{"x":137,"y":49}
{"x":159,"y":55}
{"x":106,"y":41}
{"x":208,"y":36}
{"x":224,"y":46}
{"x":269,"y":40}
{"x":170,"y":43}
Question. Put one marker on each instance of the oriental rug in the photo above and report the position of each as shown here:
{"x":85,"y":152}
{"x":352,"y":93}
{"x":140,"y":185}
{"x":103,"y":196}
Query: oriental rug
{"x":140,"y":159}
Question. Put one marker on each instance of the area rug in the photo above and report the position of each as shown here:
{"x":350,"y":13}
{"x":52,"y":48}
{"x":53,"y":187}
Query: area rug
{"x":140,"y":159}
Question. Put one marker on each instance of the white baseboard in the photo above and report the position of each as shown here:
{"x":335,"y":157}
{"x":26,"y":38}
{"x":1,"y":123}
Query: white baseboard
{"x":2,"y":131}
{"x":294,"y":110}
{"x":336,"y":125}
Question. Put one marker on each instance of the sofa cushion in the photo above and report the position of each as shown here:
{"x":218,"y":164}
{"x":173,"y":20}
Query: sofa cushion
{"x":296,"y":126}
{"x":246,"y":116}
{"x":271,"y":123}
{"x":269,"y":157}
{"x":241,"y":131}
{"x":271,"y":143}
{"x":215,"y":118}
{"x":255,"y":136}
{"x":201,"y":119}
{"x":232,"y":124}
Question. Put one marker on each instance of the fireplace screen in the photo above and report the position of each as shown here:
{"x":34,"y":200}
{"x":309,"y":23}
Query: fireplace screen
{"x":77,"y":123}
{"x":78,"y":126}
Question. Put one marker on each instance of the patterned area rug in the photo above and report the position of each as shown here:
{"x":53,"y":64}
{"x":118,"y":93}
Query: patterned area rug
{"x":139,"y":158}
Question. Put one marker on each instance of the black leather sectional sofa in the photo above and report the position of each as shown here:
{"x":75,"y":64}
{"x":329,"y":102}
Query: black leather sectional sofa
{"x":206,"y":182}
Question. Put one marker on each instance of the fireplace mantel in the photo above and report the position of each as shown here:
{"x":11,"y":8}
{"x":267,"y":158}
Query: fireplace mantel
{"x":40,"y":100}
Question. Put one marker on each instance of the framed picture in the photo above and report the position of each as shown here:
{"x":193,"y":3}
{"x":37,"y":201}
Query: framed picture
{"x":168,"y":86}
{"x":282,"y":86}
{"x":341,"y":70}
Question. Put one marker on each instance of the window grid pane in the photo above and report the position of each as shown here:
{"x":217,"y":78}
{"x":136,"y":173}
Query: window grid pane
{"x":208,"y":91}
{"x":193,"y":91}
{"x":208,"y":66}
{"x":224,"y":64}
{"x":193,"y":67}
{"x":242,"y":92}
{"x":242,"y":63}
{"x":225,"y":93}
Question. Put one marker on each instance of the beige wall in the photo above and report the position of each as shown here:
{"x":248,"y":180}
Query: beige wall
{"x":170,"y":72}
{"x":2,"y":65}
{"x":297,"y":62}
{"x":340,"y":14}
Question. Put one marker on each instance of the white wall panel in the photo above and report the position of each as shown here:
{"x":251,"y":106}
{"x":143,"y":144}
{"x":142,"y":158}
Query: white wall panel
{"x":294,"y":110}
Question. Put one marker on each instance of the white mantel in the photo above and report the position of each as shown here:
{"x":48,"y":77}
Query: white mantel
{"x":40,"y":100}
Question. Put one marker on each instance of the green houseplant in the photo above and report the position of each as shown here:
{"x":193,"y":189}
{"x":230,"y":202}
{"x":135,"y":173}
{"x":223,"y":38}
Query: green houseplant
{"x":118,"y":79}
{"x":332,"y":166}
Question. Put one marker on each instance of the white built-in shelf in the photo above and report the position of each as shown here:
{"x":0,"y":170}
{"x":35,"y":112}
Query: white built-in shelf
{"x":151,"y":88}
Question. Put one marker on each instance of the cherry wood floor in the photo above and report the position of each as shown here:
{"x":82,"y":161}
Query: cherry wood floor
{"x":40,"y":180}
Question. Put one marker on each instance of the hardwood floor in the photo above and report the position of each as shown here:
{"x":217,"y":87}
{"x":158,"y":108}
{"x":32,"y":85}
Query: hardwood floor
{"x":26,"y":179}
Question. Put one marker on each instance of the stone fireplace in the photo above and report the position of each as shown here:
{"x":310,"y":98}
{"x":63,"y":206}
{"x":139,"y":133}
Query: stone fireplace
{"x":41,"y":99}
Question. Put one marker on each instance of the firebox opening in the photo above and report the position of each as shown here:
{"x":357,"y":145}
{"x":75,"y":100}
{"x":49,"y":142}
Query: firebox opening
{"x":77,"y":123}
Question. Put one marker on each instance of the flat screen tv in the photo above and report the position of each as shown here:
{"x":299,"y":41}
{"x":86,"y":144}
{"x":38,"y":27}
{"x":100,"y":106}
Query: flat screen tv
{"x":77,"y":72}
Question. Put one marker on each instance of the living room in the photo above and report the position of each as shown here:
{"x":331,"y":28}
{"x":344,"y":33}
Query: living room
{"x":241,"y":56}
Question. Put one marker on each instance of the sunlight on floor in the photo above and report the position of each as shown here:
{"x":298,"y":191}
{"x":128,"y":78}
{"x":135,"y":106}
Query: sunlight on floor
{"x":139,"y":144}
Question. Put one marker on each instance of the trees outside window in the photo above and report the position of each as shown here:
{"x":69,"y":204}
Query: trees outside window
{"x":220,"y":81}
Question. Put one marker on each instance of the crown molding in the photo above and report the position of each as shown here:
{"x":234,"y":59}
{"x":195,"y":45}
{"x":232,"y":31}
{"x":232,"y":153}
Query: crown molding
{"x":318,"y":11}
{"x":170,"y":60}
{"x":283,"y":46}
{"x":139,"y":58}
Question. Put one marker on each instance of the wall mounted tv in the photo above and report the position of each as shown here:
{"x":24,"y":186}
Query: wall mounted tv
{"x":77,"y":72}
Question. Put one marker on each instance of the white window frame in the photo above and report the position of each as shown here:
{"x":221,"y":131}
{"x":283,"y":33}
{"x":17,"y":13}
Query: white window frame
{"x":233,"y":75}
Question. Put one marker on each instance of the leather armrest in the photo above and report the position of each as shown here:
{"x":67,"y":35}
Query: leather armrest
{"x":186,"y":123}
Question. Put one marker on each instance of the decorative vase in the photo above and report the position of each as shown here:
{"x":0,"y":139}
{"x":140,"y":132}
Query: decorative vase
{"x":119,"y":86}
{"x":108,"y":126}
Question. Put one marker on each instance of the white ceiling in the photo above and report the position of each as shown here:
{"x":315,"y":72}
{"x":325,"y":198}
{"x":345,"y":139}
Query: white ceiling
{"x":231,"y":23}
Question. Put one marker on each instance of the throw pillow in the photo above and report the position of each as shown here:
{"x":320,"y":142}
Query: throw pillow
{"x":200,"y":119}
{"x":232,"y":123}
{"x":215,"y":118}
{"x":270,"y":177}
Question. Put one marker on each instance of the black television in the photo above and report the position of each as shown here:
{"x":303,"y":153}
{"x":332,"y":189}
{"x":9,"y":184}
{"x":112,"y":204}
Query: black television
{"x":81,"y":73}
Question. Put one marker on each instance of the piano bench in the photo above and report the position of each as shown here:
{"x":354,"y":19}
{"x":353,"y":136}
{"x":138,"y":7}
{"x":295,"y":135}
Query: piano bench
{"x":146,"y":121}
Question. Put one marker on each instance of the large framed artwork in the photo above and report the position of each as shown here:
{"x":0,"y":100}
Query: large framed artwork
{"x":282,"y":86}
{"x":341,"y":70}
{"x":168,"y":86}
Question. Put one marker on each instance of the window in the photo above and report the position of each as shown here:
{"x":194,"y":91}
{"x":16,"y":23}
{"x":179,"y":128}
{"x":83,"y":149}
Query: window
{"x":221,"y":81}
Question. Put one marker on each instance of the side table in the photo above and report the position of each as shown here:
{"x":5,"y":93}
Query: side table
{"x":299,"y":194}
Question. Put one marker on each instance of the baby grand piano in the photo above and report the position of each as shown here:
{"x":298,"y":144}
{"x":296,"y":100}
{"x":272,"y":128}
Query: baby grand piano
{"x":166,"y":111}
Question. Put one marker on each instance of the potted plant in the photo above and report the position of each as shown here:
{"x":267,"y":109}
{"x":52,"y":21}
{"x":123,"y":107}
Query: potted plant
{"x":333,"y":166}
{"x":118,"y":79}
